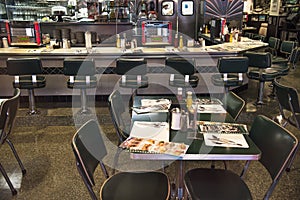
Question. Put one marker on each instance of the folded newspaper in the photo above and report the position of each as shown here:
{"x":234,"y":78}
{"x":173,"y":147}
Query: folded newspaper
{"x":143,"y":145}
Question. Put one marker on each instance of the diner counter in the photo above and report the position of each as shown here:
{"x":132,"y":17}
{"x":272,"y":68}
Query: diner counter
{"x":52,"y":61}
{"x":220,"y":49}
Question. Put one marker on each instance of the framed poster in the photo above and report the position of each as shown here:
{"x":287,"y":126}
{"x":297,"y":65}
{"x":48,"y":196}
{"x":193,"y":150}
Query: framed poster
{"x":275,"y":7}
{"x":167,"y":8}
{"x":187,"y":8}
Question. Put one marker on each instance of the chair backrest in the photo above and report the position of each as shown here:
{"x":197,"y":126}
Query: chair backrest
{"x":286,"y":47}
{"x":180,"y":65}
{"x":274,"y":43}
{"x":233,"y":64}
{"x":79,"y":66}
{"x":117,"y":112}
{"x":24,"y":66}
{"x":276,"y":144}
{"x":89,"y":150}
{"x":260,"y":60}
{"x":294,"y":57}
{"x":233,"y":104}
{"x":131,"y":66}
{"x":263,"y":29}
{"x":288,"y":99}
{"x":8,"y":112}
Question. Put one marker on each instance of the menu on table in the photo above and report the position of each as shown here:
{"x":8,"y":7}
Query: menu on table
{"x":223,"y":134}
{"x":207,"y":105}
{"x":144,"y":145}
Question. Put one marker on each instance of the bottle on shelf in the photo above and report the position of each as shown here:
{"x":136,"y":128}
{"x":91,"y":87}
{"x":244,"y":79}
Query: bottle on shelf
{"x":176,"y":41}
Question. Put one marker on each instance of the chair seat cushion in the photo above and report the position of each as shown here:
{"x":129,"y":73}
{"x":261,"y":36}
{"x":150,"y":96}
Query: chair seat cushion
{"x":283,"y":69}
{"x":80,"y":83}
{"x":208,"y":184}
{"x":25,"y":82}
{"x":279,"y":60}
{"x":131,"y":82}
{"x":232,"y":80}
{"x":267,"y":74}
{"x":179,"y":81}
{"x":136,"y":186}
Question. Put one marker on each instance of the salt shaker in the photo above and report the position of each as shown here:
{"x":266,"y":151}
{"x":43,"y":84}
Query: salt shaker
{"x":176,"y":117}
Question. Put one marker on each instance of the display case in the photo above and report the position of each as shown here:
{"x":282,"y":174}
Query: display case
{"x":117,"y":10}
{"x":29,"y":10}
{"x":156,"y":33}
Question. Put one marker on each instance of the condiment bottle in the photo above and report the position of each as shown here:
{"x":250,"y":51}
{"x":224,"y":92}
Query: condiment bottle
{"x":181,"y":42}
{"x":176,"y":41}
{"x":189,"y":99}
{"x":118,"y":42}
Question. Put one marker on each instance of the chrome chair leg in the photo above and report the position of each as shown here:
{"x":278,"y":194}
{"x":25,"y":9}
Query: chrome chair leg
{"x":32,"y":109}
{"x":288,"y":168}
{"x":16,"y":156}
{"x":13,"y":190}
{"x":83,"y":96}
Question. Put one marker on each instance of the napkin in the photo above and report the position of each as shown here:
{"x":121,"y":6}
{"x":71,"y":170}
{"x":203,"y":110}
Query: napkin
{"x":153,"y":105}
{"x":225,"y":140}
{"x":152,"y":130}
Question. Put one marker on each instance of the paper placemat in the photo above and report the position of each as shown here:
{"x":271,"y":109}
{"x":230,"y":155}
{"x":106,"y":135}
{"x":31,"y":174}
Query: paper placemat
{"x":150,"y":130}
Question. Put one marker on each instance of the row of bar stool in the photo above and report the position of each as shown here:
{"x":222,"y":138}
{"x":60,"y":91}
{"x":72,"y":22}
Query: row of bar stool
{"x":26,"y":72}
{"x":28,"y":75}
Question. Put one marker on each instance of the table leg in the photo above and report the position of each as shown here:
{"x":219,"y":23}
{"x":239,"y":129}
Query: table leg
{"x":180,"y":174}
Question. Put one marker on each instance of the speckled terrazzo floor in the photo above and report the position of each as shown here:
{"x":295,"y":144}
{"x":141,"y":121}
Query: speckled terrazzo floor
{"x":43,"y":143}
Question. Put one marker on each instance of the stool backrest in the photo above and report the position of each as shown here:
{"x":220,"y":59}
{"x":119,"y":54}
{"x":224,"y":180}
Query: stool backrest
{"x":24,"y":66}
{"x":179,"y":65}
{"x":233,"y":64}
{"x":274,"y":43}
{"x":287,"y":47}
{"x":259,"y":59}
{"x":131,"y":66}
{"x":79,"y":66}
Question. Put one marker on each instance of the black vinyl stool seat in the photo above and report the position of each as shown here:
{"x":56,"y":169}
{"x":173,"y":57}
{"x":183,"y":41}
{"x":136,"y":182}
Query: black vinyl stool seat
{"x":260,"y":63}
{"x":82,"y":76}
{"x":26,"y":72}
{"x":133,"y":71}
{"x":231,"y":71}
{"x":90,"y":150}
{"x":182,"y":72}
{"x":276,"y":144}
{"x":8,"y":112}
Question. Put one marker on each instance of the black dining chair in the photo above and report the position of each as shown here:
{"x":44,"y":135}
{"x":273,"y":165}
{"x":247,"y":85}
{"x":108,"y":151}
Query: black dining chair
{"x":231,"y":72}
{"x":120,"y":115}
{"x":233,"y":104}
{"x":8,"y":112}
{"x":89,"y":150}
{"x":289,"y":107}
{"x":270,"y":137}
{"x":27,"y":76}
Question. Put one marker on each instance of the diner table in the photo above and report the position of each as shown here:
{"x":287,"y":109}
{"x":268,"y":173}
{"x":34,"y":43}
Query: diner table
{"x":197,"y":151}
